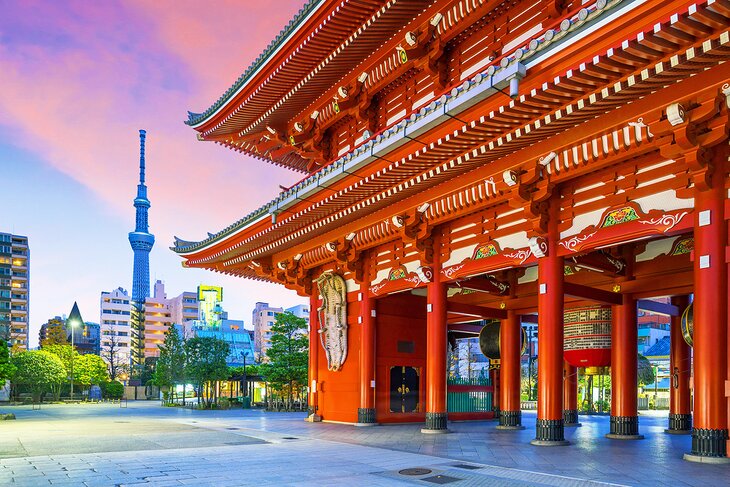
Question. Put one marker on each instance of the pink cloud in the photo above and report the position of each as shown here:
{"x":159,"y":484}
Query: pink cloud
{"x":77,"y":92}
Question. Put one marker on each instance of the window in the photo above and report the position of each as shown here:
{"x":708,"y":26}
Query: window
{"x":270,"y":313}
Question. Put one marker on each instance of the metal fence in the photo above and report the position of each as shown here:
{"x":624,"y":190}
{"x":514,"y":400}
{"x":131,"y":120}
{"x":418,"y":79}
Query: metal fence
{"x":469,"y":395}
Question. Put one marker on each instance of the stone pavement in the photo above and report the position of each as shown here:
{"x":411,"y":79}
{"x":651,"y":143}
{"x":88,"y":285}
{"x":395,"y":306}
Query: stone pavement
{"x":151,"y":445}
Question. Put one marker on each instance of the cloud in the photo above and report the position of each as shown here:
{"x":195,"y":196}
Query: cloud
{"x":79,"y":82}
{"x":78,"y":79}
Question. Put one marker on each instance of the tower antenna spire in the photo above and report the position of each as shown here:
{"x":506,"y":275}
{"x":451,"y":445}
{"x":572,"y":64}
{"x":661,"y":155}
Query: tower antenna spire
{"x":142,"y":137}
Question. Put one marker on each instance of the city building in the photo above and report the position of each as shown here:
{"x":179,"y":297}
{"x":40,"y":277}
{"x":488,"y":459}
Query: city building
{"x":212,"y":321}
{"x":14,"y":289}
{"x":114,"y":321}
{"x":210,"y":299}
{"x":300,"y":311}
{"x":83,"y":335}
{"x":53,"y":329}
{"x":159,"y":313}
{"x":465,"y":160}
{"x":184,"y":307}
{"x":262,"y":319}
{"x":141,"y":241}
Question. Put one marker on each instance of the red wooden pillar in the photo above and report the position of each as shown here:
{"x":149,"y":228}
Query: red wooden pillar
{"x":313,"y":351}
{"x":570,"y":396}
{"x":366,"y":412}
{"x":549,"y":427}
{"x":510,"y":415}
{"x":680,"y":367}
{"x":436,"y":349}
{"x":495,"y":378}
{"x":624,"y":381}
{"x":710,"y":431}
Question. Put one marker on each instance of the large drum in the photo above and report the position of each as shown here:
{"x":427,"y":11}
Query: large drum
{"x":688,"y":324}
{"x":489,"y":340}
{"x":587,"y":335}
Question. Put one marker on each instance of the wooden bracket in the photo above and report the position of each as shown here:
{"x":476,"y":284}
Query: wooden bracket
{"x":689,"y":129}
{"x":415,"y":229}
{"x":347,"y":256}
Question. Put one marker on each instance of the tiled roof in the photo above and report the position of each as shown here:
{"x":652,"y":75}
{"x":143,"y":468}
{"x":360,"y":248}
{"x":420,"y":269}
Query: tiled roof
{"x":659,"y":349}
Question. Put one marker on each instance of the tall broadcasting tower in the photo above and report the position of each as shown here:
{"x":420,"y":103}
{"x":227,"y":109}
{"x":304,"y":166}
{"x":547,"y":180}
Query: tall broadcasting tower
{"x":141,"y":241}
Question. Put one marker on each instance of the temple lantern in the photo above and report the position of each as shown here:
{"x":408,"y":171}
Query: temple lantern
{"x":489,"y":342}
{"x":587,"y":336}
{"x":688,"y":323}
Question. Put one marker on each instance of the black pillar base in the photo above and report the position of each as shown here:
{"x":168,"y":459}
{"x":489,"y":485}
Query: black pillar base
{"x":435,"y":423}
{"x":549,"y":432}
{"x":570,"y":418}
{"x":624,"y":428}
{"x":709,"y":446}
{"x":679,"y":424}
{"x":510,"y":420}
{"x":365,"y":416}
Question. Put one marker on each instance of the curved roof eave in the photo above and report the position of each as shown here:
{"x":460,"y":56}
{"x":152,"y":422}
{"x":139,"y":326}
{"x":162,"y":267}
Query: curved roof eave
{"x":197,"y":119}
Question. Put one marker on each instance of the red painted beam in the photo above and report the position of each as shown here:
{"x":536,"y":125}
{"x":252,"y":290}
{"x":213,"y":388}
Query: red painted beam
{"x":478,"y":311}
{"x":590,"y":293}
{"x":658,"y":308}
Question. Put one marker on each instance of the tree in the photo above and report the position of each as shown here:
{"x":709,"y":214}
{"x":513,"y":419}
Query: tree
{"x":38,"y":370}
{"x":7,"y":369}
{"x":55,"y":333}
{"x":68,"y":357}
{"x":206,"y":363}
{"x":288,"y":355}
{"x":170,"y":367}
{"x":90,"y":369}
{"x":111,"y":352}
{"x":645,"y":372}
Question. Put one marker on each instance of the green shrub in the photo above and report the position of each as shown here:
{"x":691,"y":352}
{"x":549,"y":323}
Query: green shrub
{"x":114,"y":390}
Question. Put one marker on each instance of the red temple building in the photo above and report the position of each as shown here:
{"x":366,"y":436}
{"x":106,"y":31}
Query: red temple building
{"x":551,"y":162}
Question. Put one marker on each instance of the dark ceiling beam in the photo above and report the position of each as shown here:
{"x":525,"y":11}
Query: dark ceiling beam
{"x":465,"y":328}
{"x":665,"y":309}
{"x":599,"y":262}
{"x":484,"y":284}
{"x":591,"y":293}
{"x":478,"y":311}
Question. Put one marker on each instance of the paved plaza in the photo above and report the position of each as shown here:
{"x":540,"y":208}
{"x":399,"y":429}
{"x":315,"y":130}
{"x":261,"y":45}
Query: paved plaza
{"x":146,"y":444}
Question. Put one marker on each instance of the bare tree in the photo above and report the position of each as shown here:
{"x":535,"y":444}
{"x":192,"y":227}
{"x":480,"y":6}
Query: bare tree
{"x":111,"y":352}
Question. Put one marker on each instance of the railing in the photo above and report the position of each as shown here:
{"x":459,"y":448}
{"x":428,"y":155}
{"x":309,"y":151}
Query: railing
{"x":470,"y":398}
{"x":528,"y":405}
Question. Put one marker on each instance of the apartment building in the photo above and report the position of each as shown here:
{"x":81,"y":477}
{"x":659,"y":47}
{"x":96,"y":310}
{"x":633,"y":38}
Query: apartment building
{"x":14,"y":289}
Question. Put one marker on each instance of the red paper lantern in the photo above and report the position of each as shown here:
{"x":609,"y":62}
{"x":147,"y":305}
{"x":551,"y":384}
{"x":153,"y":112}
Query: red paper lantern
{"x":587,"y":335}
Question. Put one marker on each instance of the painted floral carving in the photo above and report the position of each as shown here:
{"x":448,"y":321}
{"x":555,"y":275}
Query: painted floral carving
{"x":573,"y":242}
{"x":668,"y":221}
{"x":397,"y":273}
{"x":683,"y":246}
{"x":483,"y":251}
{"x":622,"y":215}
{"x":333,"y":319}
{"x":450,"y":271}
{"x":520,"y":255}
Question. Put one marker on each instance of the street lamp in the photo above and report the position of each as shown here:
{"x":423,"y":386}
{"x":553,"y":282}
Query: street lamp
{"x":72,"y":324}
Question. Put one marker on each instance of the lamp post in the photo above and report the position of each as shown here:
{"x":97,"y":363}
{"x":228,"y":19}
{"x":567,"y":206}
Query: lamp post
{"x":72,"y":324}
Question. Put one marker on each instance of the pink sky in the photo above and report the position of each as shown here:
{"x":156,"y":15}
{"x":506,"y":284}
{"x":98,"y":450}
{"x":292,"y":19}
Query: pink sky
{"x":78,"y":79}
